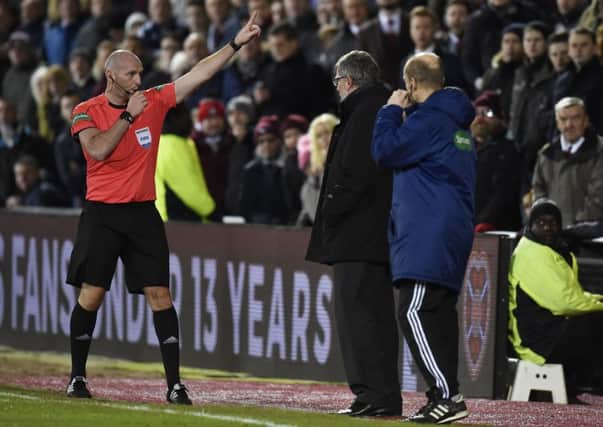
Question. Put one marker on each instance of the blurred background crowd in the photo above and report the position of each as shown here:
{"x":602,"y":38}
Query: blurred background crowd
{"x":252,"y":142}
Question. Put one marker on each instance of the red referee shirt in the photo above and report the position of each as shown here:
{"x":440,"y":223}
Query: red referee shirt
{"x":128,"y":174}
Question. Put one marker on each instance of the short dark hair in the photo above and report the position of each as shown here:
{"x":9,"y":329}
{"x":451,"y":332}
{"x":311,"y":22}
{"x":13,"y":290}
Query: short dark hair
{"x":561,"y":37}
{"x":360,"y":67}
{"x":27,"y":160}
{"x":284,"y":29}
{"x":425,"y":73}
{"x":584,"y":32}
{"x":178,"y":121}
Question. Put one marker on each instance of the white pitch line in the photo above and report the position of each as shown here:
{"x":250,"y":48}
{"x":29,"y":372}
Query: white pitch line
{"x":19,"y":396}
{"x":227,"y":418}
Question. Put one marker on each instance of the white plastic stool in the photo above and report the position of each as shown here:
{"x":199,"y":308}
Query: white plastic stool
{"x":529,"y":376}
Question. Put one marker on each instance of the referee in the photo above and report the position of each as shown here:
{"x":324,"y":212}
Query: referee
{"x":119,"y":134}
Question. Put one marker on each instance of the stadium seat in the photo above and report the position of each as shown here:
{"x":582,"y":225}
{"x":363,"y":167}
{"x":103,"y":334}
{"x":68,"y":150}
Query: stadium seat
{"x":529,"y":377}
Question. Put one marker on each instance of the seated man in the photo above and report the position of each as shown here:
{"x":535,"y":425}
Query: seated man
{"x":550,"y":315}
{"x":569,"y":170}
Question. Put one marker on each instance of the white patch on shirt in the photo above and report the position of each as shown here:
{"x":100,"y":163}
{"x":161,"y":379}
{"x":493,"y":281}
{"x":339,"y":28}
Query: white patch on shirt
{"x":144,"y":137}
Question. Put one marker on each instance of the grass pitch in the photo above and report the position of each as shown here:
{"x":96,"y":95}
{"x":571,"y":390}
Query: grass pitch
{"x":26,"y":408}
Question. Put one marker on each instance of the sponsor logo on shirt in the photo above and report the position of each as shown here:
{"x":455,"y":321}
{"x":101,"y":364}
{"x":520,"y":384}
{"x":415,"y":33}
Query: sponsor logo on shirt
{"x":143,"y":136}
{"x":462,"y":140}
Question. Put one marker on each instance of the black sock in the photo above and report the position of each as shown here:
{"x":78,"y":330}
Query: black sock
{"x":82,"y":327}
{"x":166,"y":327}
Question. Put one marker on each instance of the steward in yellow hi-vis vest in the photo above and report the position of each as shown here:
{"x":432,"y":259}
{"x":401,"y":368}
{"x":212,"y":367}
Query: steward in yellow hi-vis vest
{"x":549,"y":312}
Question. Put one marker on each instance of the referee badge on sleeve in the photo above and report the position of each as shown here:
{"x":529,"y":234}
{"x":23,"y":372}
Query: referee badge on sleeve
{"x":143,"y":136}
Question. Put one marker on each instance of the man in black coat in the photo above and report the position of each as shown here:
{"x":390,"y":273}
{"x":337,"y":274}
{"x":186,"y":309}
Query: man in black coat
{"x":584,"y":76}
{"x":350,"y":233}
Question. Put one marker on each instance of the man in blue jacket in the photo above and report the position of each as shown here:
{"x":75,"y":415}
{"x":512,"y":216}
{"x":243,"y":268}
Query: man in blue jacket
{"x":422,"y":134}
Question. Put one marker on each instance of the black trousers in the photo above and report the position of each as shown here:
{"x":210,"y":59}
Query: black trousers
{"x":368,"y":335}
{"x":429,"y":321}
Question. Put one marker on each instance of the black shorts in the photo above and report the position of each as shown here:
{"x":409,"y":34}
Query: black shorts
{"x":133,"y":232}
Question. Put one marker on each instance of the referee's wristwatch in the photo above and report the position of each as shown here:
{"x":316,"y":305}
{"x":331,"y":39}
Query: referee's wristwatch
{"x":127,"y":117}
{"x":234,"y":44}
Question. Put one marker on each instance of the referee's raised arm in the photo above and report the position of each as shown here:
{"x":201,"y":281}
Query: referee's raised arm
{"x":210,"y":65}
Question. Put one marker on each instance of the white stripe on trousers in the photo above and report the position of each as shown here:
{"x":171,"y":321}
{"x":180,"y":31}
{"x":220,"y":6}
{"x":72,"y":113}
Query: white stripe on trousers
{"x":419,"y":335}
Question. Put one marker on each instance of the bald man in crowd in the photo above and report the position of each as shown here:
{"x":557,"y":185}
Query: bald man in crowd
{"x":422,"y":133}
{"x":119,"y":134}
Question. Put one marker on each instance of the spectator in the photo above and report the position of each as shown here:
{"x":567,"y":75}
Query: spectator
{"x":57,"y":80}
{"x":455,"y":19}
{"x":170,"y":45}
{"x":240,"y":114}
{"x":133,"y":23}
{"x":96,"y":28}
{"x":558,"y":49}
{"x":277,"y":12}
{"x":195,"y":49}
{"x":293,"y":85}
{"x":33,"y":14}
{"x":15,"y":83}
{"x":32,"y":189}
{"x":80,"y":71}
{"x":423,"y":26}
{"x":497,"y":204}
{"x":355,"y":14}
{"x":568,"y":14}
{"x":292,"y":128}
{"x":500,"y":76}
{"x":17,"y":139}
{"x":60,"y":35}
{"x":531,"y":114}
{"x":181,"y":190}
{"x":68,"y":156}
{"x":320,"y":133}
{"x":161,"y":22}
{"x":483,"y":34}
{"x":569,"y":170}
{"x":584,"y":76}
{"x":39,"y":120}
{"x":196,"y":17}
{"x":264,"y":17}
{"x":386,"y":38}
{"x":550,"y":315}
{"x":103,"y":50}
{"x":262,"y":199}
{"x":592,"y":16}
{"x":329,"y":13}
{"x":243,"y":73}
{"x":9,"y":18}
{"x":213,"y":145}
{"x":223,"y":24}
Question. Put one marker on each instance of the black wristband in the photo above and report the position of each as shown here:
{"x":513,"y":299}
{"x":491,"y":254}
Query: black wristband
{"x":234,"y":45}
{"x":127,"y":117}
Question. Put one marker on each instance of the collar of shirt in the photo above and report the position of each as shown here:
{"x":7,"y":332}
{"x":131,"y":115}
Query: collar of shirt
{"x":389,"y":22}
{"x":569,"y":147}
{"x":428,"y":49}
{"x":354,"y":29}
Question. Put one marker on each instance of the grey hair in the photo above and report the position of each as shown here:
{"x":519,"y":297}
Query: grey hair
{"x":360,"y":67}
{"x":569,"y":101}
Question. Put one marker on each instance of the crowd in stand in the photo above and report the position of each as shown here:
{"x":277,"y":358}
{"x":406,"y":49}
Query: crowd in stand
{"x":253,"y":139}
